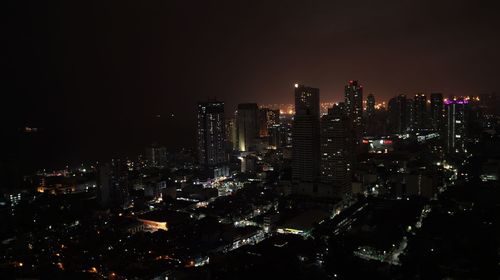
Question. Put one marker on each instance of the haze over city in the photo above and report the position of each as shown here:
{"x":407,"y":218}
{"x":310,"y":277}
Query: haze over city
{"x":250,"y":140}
{"x":94,"y":75}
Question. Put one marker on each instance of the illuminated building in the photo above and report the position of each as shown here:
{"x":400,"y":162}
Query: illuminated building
{"x":163,"y":220}
{"x":232,"y":134}
{"x":267,"y":119}
{"x":277,"y":136}
{"x":211,"y":134}
{"x":354,"y":106}
{"x":370,"y":105}
{"x":378,"y":146}
{"x":334,"y":165}
{"x":419,"y":112}
{"x":305,"y":139}
{"x":456,"y":118}
{"x":247,"y":125}
{"x":437,"y":110}
{"x":156,"y":155}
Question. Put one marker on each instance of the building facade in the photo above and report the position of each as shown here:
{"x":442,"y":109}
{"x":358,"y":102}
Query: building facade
{"x":306,"y":135}
{"x":211,"y":134}
{"x":247,"y":121}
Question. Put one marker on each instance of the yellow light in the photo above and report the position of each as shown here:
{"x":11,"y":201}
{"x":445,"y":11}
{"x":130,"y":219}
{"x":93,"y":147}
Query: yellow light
{"x":296,"y":85}
{"x":92,"y":270}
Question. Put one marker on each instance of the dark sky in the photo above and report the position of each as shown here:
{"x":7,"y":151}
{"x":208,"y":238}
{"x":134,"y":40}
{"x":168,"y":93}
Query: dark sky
{"x":93,"y":74}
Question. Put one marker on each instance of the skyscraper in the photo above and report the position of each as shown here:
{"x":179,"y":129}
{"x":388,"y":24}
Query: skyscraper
{"x":419,"y":112}
{"x":370,"y":105}
{"x":267,"y":119}
{"x":113,"y":183}
{"x":247,"y":121}
{"x":334,"y":163}
{"x":437,"y":111}
{"x":305,"y":139}
{"x":211,"y":134}
{"x":156,"y":155}
{"x":232,"y":134}
{"x":354,"y":103}
{"x":456,"y":118}
{"x":399,"y":112}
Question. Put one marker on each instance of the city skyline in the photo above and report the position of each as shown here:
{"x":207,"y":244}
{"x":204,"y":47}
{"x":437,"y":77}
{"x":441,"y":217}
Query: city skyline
{"x":243,"y":140}
{"x":92,"y":78}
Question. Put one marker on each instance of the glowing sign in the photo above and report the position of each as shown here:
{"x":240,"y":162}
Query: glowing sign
{"x":460,"y":101}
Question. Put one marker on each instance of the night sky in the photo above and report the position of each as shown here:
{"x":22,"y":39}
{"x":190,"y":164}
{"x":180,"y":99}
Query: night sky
{"x":94,"y":74}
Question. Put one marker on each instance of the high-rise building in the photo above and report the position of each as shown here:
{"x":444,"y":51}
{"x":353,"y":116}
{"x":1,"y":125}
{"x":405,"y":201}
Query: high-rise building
{"x":232,"y":134}
{"x":156,"y":155}
{"x":211,"y":134}
{"x":419,"y":112}
{"x":392,"y":115}
{"x":410,"y":114}
{"x":247,"y":121}
{"x":267,"y":119}
{"x":370,"y":105}
{"x":334,"y":163}
{"x":437,"y":111}
{"x":354,"y":103}
{"x":399,"y":112}
{"x":277,"y":136}
{"x":112,"y":184}
{"x":306,"y":101}
{"x":306,"y":139}
{"x":456,"y":121}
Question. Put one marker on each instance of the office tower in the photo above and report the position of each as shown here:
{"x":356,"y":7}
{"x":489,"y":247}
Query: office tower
{"x":247,"y":121}
{"x":305,"y":139}
{"x":287,"y":131}
{"x":263,"y":128}
{"x":211,"y":134}
{"x":370,"y":105}
{"x":232,"y":134}
{"x":400,"y":110}
{"x":277,"y":136}
{"x":354,"y":103}
{"x":156,"y":155}
{"x":306,"y":101}
{"x":112,"y":184}
{"x":267,"y":118}
{"x":437,"y":111}
{"x":410,"y":115}
{"x":456,"y":121}
{"x":419,"y":112}
{"x":402,"y":113}
{"x":392,"y":115}
{"x":334,"y":163}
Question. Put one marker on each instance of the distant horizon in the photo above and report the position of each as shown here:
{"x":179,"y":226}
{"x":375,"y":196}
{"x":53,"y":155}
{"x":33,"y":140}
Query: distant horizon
{"x":80,"y":152}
